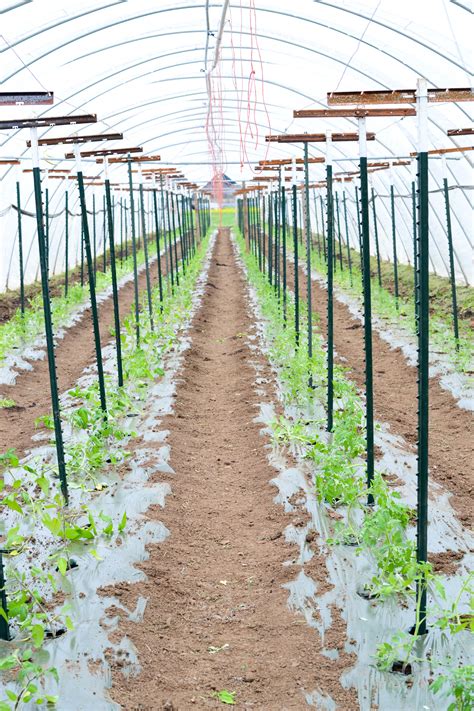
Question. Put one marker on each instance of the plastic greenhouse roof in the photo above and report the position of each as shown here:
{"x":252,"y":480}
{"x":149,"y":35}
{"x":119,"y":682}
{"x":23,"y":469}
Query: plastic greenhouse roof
{"x":141,"y":67}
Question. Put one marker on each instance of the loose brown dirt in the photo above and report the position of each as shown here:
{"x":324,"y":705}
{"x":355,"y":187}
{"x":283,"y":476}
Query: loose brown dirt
{"x":74,"y":352}
{"x":395,"y":389}
{"x":216,"y":583}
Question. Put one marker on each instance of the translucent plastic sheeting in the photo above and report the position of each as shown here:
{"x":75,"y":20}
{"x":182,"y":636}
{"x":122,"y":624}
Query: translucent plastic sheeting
{"x":140,"y":66}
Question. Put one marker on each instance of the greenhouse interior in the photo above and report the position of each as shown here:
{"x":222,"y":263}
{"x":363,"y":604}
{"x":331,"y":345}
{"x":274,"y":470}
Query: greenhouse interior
{"x":236,"y":355}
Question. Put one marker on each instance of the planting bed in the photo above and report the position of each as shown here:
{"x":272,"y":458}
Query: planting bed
{"x":395,"y":397}
{"x":213,"y":569}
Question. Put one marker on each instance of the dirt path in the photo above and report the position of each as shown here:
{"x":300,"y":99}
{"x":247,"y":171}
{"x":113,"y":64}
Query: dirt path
{"x":395,"y":399}
{"x":217,"y":579}
{"x":74,"y":352}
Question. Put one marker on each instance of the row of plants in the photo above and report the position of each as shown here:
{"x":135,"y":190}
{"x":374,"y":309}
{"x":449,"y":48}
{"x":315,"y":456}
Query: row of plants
{"x":381,"y":532}
{"x":22,"y":329}
{"x":402,"y":308}
{"x":35,"y":522}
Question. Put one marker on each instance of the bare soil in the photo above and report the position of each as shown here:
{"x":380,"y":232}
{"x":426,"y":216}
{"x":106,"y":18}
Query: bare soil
{"x":216,"y":583}
{"x":395,"y":391}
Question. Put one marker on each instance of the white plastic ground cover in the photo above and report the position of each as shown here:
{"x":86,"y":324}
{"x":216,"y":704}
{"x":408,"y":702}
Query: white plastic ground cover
{"x":140,"y":66}
{"x":19,"y":359}
{"x":79,"y":655}
{"x":368,"y":624}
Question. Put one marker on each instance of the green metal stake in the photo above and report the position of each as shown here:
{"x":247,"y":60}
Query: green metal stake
{"x":163,"y":218}
{"x":4,"y":628}
{"x":170,"y":245}
{"x":369,"y":387}
{"x":415,"y":256}
{"x":318,"y":236}
{"x":359,"y":227}
{"x":339,"y":237}
{"x":48,"y":323}
{"x":134,"y":251}
{"x":346,"y":227}
{"x":376,"y":235}
{"x":121,"y":230}
{"x":82,"y":255}
{"x":423,"y":351}
{"x":330,"y":285}
{"x":113,"y":271}
{"x":283,"y":238}
{"x":90,"y":270}
{"x":125,"y":209}
{"x":66,"y":243}
{"x":323,"y":228}
{"x":158,"y":247}
{"x":270,"y":238}
{"x":94,"y":234}
{"x":20,"y":251}
{"x":309,"y":315}
{"x":394,"y":241}
{"x":104,"y":232}
{"x":175,"y":239}
{"x":145,"y":249}
{"x":451,"y":262}
{"x":46,"y":219}
{"x":295,"y":257}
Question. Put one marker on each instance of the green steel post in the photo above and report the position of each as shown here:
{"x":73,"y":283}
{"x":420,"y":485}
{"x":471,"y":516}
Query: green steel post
{"x":175,"y":240}
{"x":330,"y":287}
{"x":134,"y":252}
{"x":309,"y":315}
{"x":296,"y":263}
{"x":318,"y":236}
{"x":170,"y":241}
{"x":423,"y":380}
{"x":339,"y":237}
{"x":283,"y":239}
{"x":165,"y":231}
{"x":125,"y":210}
{"x":82,"y":254}
{"x":90,"y":269}
{"x":415,"y":254}
{"x":104,"y":232}
{"x":394,"y":241}
{"x":66,"y":243}
{"x":158,"y":246}
{"x":369,"y":387}
{"x":46,"y":224}
{"x":94,"y":234}
{"x":359,"y":228}
{"x":451,"y":262}
{"x":145,"y":249}
{"x":376,"y":236}
{"x":423,"y":352}
{"x":20,"y":250}
{"x":113,"y":271}
{"x":270,"y":238}
{"x":346,"y":227}
{"x":323,"y":221}
{"x":48,"y":324}
{"x":4,"y":627}
{"x":276,"y":244}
